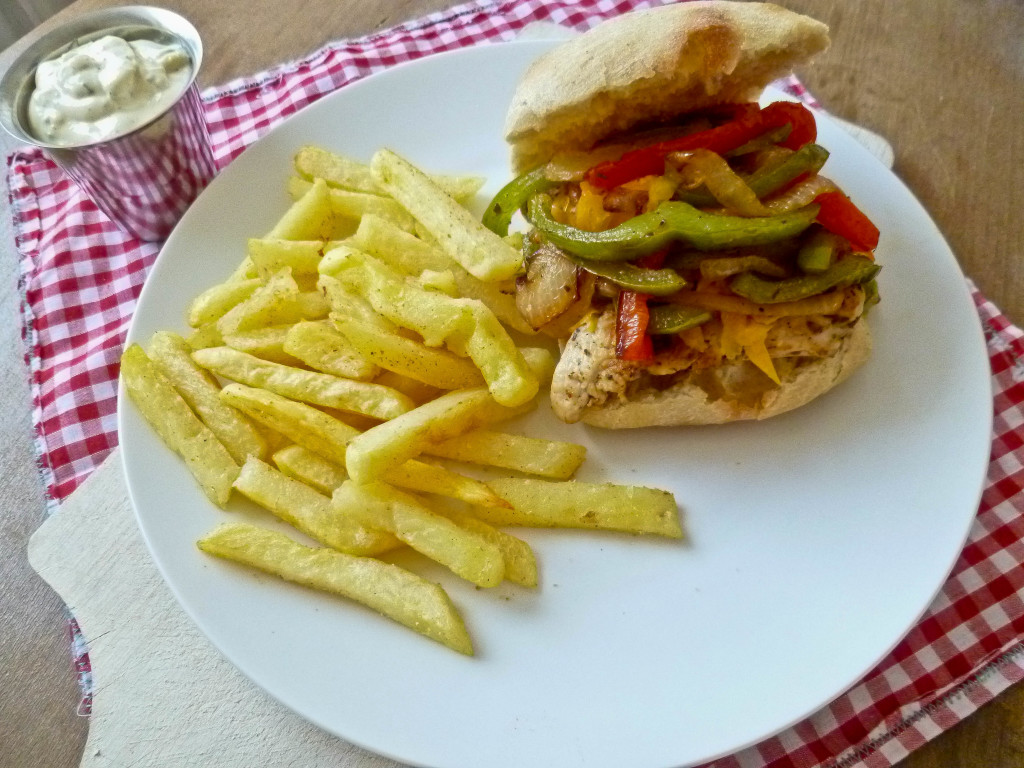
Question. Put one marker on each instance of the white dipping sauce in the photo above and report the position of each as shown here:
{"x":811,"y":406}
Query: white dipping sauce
{"x":104,"y":88}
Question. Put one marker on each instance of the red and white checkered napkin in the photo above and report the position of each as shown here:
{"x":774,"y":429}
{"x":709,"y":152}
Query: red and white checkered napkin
{"x":81,"y":276}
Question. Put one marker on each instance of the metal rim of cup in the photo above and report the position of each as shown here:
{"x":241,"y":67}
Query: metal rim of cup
{"x":17,"y":82}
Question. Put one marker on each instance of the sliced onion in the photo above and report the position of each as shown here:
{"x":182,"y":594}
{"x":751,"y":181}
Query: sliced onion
{"x":702,"y":166}
{"x":548,"y":288}
{"x":822,"y":304}
{"x":606,"y":289}
{"x":562,"y":326}
{"x":732,"y":265}
{"x":800,"y":194}
{"x":770,"y":156}
{"x":573,"y":165}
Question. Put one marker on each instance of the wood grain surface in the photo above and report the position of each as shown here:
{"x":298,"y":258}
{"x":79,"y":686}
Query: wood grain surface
{"x":942,"y":80}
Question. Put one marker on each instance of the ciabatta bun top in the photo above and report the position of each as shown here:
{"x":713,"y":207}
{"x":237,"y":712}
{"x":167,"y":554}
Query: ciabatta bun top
{"x":653,"y":65}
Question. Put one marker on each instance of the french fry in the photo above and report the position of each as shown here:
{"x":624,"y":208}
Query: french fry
{"x":277,"y":302}
{"x":346,"y":302}
{"x":357,"y":420}
{"x":541,"y":361}
{"x":520,"y":562}
{"x":344,"y":172}
{"x":530,"y":455}
{"x":246,"y":270}
{"x":309,"y":218}
{"x":397,"y":248}
{"x":328,"y":437}
{"x":436,"y":367}
{"x":411,"y":255}
{"x":347,"y":204}
{"x":391,"y":591}
{"x":301,"y":256}
{"x":459,"y":234}
{"x":308,"y":305}
{"x":312,"y":469}
{"x":416,"y":391}
{"x":442,"y":281}
{"x":462,"y":188}
{"x":262,"y":301}
{"x":337,"y":170}
{"x":204,"y":336}
{"x":302,"y":424}
{"x":515,"y":240}
{"x":379,"y":450}
{"x":180,"y":429}
{"x":213,"y":303}
{"x":310,"y":512}
{"x":430,"y":478}
{"x":463,"y":552}
{"x":546,"y":504}
{"x":321,"y":346}
{"x":426,"y":236}
{"x":275,"y":440}
{"x":307,"y":386}
{"x":172,"y":356}
{"x":465,"y":325}
{"x":266,"y":343}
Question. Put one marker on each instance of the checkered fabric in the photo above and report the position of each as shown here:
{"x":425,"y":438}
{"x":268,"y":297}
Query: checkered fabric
{"x":81,"y":276}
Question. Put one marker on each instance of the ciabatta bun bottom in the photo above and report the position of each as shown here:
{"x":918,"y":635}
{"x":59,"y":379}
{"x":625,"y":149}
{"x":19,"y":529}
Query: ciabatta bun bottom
{"x":688,"y":405}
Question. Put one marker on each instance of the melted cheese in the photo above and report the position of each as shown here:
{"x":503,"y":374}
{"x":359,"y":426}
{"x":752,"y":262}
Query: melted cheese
{"x":590,"y":212}
{"x":743,"y":334}
{"x":658,"y":189}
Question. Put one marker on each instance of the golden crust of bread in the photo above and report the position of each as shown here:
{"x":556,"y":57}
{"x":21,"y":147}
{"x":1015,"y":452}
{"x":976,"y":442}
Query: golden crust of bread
{"x":689,"y":405}
{"x":653,"y":65}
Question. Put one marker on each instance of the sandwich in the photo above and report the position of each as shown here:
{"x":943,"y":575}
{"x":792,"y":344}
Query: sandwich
{"x":685,"y":249}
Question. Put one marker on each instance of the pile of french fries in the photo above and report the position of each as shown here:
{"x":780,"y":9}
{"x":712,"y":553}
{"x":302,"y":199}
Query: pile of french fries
{"x":370,"y":329}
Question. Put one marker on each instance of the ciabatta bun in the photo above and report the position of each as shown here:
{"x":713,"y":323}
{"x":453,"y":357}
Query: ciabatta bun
{"x":690,"y":401}
{"x":653,"y":65}
{"x":635,"y":71}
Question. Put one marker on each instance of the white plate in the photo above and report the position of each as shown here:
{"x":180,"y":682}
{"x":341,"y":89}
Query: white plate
{"x":815,"y":539}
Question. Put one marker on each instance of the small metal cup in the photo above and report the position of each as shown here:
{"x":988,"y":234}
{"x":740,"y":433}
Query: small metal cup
{"x":143,"y":179}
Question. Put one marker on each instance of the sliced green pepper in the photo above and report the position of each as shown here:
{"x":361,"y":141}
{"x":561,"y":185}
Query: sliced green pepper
{"x":674,"y":318}
{"x":871,"y":296}
{"x":765,"y":140}
{"x":684,"y":260}
{"x":512,"y":197}
{"x":656,"y":282}
{"x":670,"y":222}
{"x":688,"y":259}
{"x":845,"y":272}
{"x":808,"y":159}
{"x":819,"y":252}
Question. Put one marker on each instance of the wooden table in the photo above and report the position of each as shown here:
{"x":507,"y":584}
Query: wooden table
{"x":942,"y":80}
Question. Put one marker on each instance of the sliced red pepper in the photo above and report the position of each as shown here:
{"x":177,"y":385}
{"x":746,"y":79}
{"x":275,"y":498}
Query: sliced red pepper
{"x":750,"y":122}
{"x":838,"y":214}
{"x":632,"y":342}
{"x":650,"y":161}
{"x":654,"y":260}
{"x":805,"y":129}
